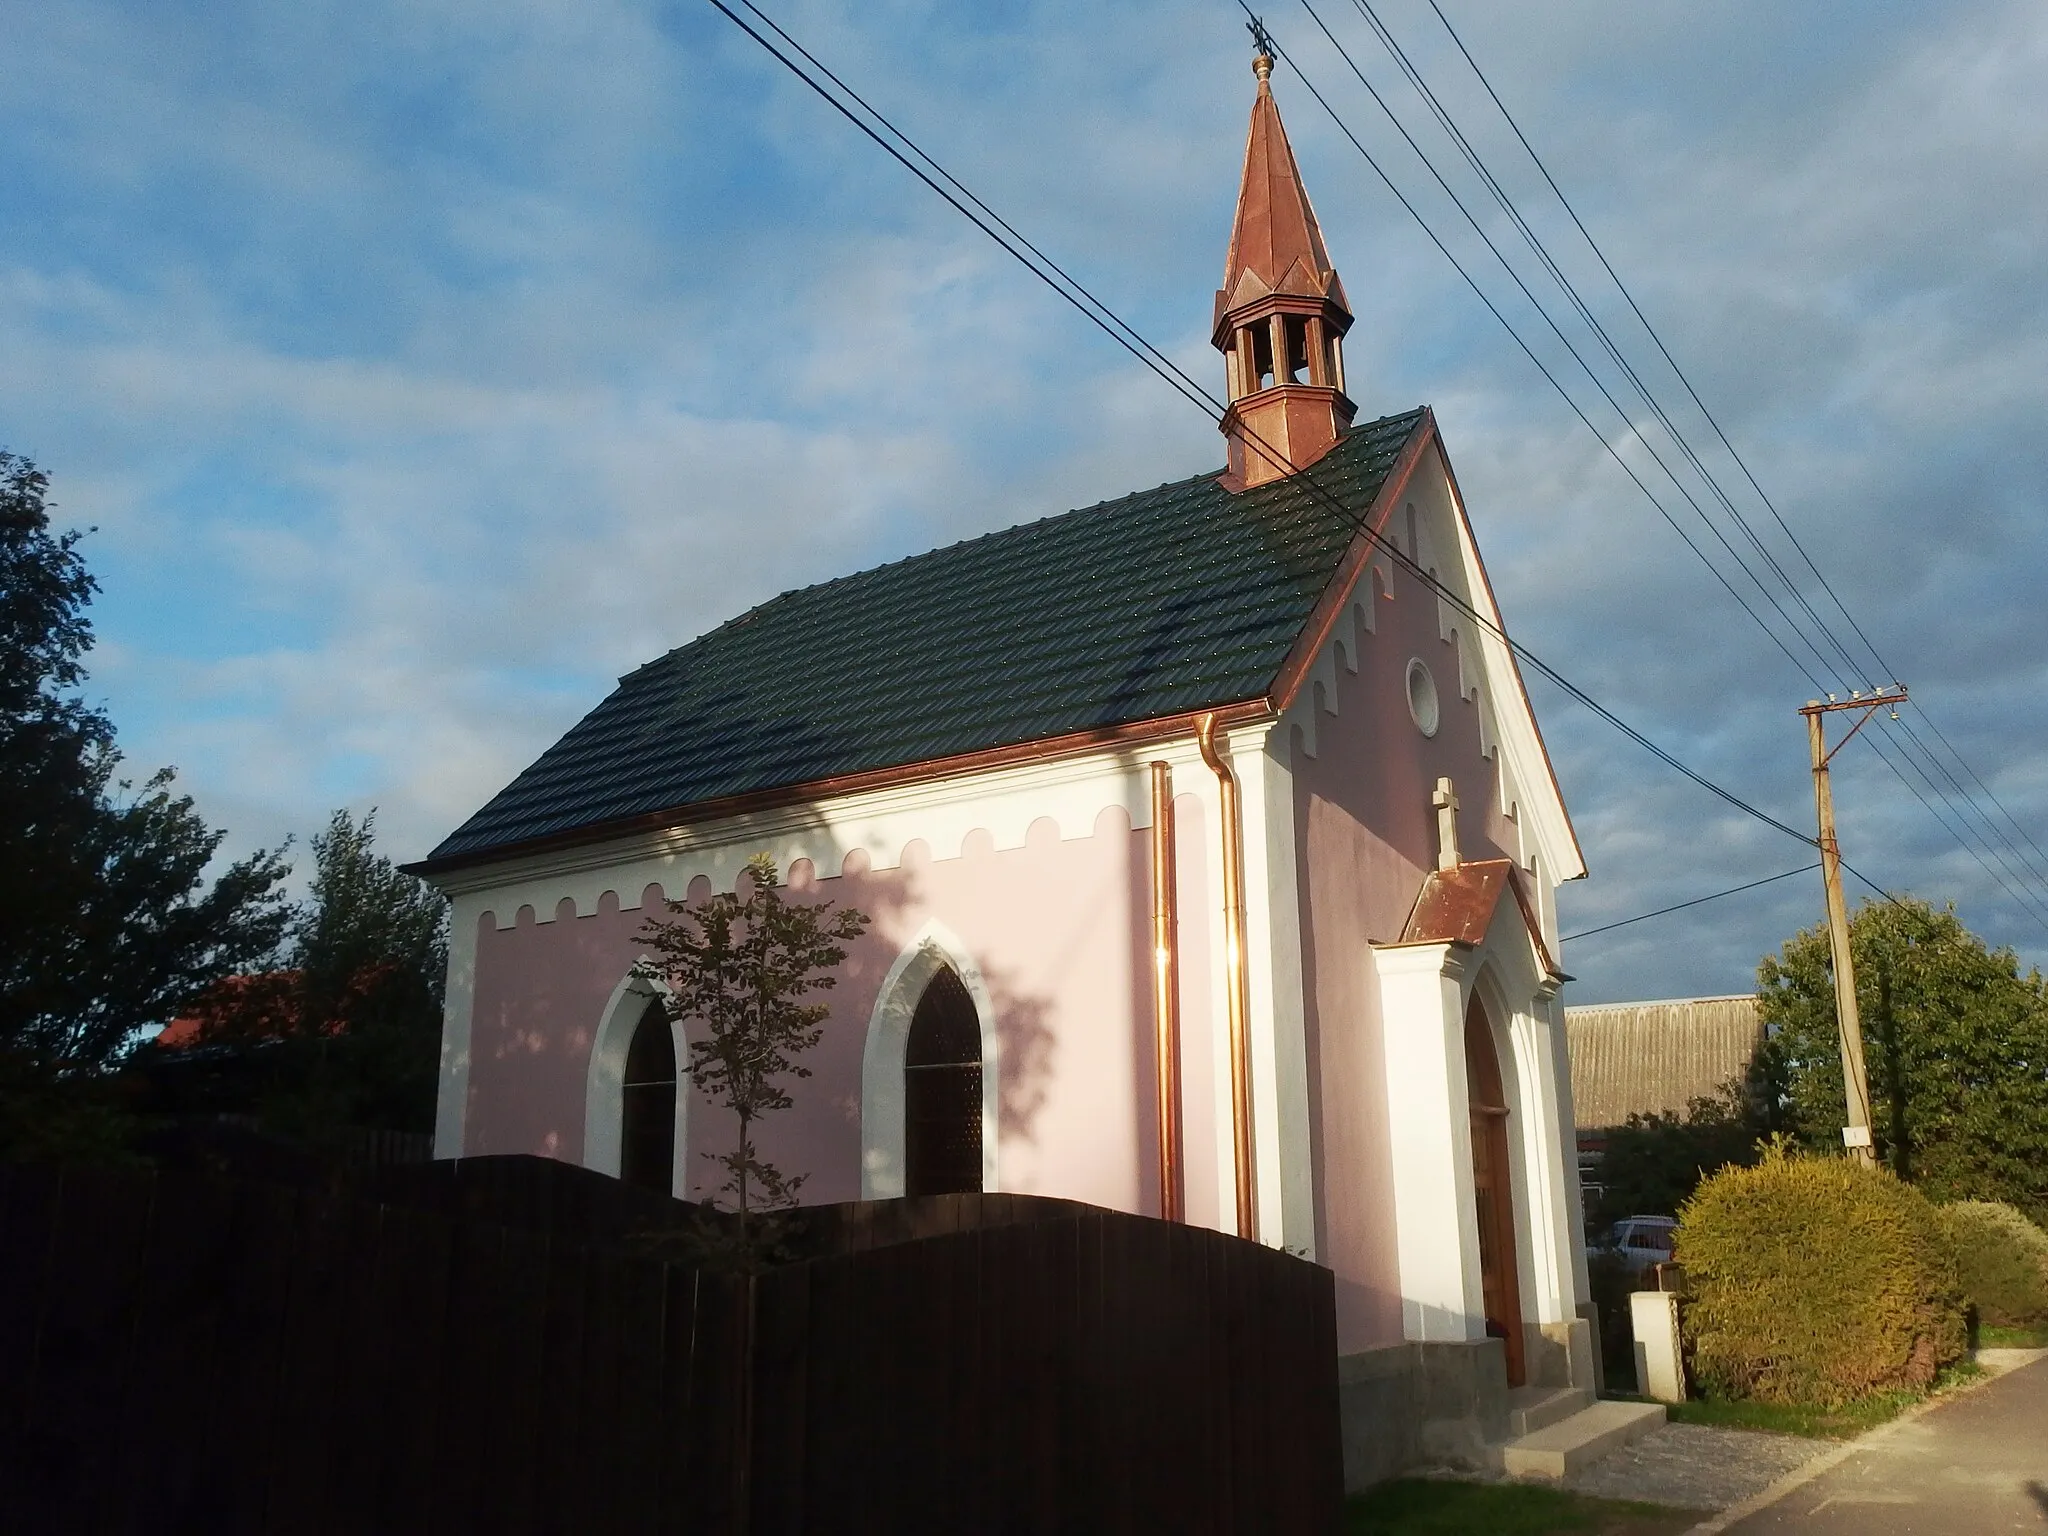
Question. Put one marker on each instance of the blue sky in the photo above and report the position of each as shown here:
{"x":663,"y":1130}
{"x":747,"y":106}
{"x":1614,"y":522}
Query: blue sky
{"x":425,"y":366}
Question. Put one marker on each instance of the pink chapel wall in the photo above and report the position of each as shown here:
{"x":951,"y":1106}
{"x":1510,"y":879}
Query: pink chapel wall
{"x":1060,"y":930}
{"x":1368,"y":835}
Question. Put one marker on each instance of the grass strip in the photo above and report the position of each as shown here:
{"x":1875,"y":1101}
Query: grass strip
{"x":1814,"y":1422}
{"x":1438,"y":1507}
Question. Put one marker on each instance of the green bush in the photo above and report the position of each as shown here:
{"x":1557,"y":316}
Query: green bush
{"x":2002,"y":1259}
{"x":1816,"y":1281}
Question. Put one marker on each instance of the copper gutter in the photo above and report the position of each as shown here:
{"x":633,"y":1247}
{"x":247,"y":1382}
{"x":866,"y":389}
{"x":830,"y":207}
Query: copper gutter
{"x":1237,"y":988}
{"x":1166,"y":993}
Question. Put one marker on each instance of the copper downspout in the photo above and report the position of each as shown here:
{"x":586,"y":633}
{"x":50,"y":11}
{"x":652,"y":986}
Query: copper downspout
{"x":1166,"y":993}
{"x":1237,"y":994}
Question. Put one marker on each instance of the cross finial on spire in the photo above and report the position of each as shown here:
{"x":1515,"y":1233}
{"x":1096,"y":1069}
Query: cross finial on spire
{"x":1281,"y":311}
{"x":1262,"y":62}
{"x":1445,"y":800}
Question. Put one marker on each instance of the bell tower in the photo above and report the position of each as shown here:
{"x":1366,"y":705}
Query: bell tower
{"x":1280,"y":314}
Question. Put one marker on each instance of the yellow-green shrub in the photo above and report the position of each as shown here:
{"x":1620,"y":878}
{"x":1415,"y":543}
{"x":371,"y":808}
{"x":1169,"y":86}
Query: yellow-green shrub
{"x":1816,"y":1280}
{"x":2002,"y":1260}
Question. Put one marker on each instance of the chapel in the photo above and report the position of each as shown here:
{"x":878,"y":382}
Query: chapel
{"x":1210,"y":848}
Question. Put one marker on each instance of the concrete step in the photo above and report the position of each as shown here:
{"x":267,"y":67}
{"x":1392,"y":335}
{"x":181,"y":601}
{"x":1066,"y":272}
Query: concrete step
{"x":1587,"y":1435}
{"x":1534,"y":1408}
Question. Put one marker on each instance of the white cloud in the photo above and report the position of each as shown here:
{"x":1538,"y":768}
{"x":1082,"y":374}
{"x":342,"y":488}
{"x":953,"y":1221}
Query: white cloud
{"x":425,"y":367}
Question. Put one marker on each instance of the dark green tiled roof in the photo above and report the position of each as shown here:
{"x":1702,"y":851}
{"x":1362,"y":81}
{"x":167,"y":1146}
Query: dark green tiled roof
{"x":1170,"y":600}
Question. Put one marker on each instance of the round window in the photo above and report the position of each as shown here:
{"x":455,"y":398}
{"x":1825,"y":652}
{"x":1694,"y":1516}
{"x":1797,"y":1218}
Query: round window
{"x":1422,"y":697}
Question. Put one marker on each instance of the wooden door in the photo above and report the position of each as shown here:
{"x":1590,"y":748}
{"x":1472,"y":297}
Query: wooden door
{"x":1494,"y":1192}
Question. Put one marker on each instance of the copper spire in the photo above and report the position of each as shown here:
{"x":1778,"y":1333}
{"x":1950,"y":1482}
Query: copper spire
{"x":1276,"y":245}
{"x":1280,"y":314}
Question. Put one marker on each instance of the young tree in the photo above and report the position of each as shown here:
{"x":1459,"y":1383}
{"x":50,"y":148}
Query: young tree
{"x":107,"y":923}
{"x":741,"y":966}
{"x":1956,"y":1041}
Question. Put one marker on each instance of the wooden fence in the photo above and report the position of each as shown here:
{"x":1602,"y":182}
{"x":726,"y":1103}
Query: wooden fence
{"x":179,"y":1354}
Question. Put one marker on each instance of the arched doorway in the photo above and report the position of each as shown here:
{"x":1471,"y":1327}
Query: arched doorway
{"x":647,"y":1113}
{"x":942,"y":1091}
{"x":1493,"y":1190}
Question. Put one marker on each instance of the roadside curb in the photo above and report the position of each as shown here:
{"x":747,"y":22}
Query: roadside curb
{"x":1827,"y":1461}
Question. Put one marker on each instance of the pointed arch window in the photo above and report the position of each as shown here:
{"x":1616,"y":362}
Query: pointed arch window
{"x":647,"y":1128}
{"x":942,"y":1091}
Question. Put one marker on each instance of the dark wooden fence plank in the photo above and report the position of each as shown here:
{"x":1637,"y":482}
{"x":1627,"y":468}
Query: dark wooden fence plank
{"x":560,"y":1453}
{"x":514,"y":1411}
{"x":681,"y":1511}
{"x":84,"y":1345}
{"x":489,"y":1354}
{"x":161,"y":1424}
{"x":638,"y":1411}
{"x":28,"y":1204}
{"x":781,"y":1354}
{"x":309,"y":1368}
{"x":410,"y":1304}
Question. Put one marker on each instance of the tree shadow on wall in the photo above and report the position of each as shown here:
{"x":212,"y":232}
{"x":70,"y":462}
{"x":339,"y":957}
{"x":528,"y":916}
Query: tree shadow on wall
{"x":1026,"y":1041}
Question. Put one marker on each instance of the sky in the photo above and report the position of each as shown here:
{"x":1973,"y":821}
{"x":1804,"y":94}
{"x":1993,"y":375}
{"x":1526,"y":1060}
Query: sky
{"x":423,"y":367}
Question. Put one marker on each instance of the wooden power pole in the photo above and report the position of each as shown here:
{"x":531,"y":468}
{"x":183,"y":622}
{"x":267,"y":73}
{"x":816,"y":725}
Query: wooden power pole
{"x":1855,"y":1082}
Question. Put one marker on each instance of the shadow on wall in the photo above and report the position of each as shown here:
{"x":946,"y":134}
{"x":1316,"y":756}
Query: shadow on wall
{"x":1026,"y":1042}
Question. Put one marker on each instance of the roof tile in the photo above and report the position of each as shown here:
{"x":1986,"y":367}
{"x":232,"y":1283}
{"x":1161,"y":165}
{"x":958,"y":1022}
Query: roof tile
{"x":1179,"y":598}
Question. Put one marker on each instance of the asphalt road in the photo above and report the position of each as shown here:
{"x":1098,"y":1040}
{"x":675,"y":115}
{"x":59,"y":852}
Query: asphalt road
{"x":1974,"y":1466}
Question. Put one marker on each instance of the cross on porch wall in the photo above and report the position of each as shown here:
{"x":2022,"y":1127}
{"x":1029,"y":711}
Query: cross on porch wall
{"x":1446,"y":802}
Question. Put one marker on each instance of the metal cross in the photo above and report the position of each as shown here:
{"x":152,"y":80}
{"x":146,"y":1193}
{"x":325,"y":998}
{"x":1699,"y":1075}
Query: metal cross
{"x":1261,"y":38}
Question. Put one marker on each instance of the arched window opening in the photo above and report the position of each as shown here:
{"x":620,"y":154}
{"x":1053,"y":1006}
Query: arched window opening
{"x":1297,"y":349}
{"x":1262,"y":356}
{"x":942,"y":1091}
{"x":647,"y":1127}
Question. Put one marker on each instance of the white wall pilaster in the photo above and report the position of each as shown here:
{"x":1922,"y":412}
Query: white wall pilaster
{"x":1279,"y":1048}
{"x":451,"y":1102}
{"x":1422,"y":1013}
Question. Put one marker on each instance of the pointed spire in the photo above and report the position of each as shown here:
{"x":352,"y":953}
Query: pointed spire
{"x":1281,"y":313}
{"x":1276,"y":245}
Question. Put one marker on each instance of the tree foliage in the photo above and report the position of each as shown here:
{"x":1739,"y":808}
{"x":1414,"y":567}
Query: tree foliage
{"x":2002,"y":1259}
{"x":348,"y":1027}
{"x":1955,"y":1042}
{"x":107,"y":921}
{"x":1652,"y":1165}
{"x":741,"y":967}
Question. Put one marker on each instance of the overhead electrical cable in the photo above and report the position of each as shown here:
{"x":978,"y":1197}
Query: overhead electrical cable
{"x":1884,"y":668}
{"x":1557,"y":274}
{"x":1556,"y":330}
{"x":912,"y":158}
{"x":1961,"y":830}
{"x":1644,"y":917}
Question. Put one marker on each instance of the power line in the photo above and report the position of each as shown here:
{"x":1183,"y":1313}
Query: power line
{"x":1997,"y":843}
{"x":1126,"y":336}
{"x":1585,"y":311}
{"x":1644,"y":917}
{"x":1885,"y":670}
{"x":1514,"y":276}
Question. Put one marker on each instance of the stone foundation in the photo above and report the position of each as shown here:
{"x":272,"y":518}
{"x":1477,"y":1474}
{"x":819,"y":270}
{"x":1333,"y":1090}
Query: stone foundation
{"x":1413,"y":1405}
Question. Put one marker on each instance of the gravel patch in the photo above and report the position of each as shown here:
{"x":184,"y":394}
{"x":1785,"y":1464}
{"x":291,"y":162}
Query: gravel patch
{"x":1695,"y":1466}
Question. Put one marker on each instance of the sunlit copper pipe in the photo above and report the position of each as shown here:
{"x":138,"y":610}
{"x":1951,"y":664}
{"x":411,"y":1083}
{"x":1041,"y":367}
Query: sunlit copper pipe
{"x":1166,"y":993}
{"x":1237,"y":993}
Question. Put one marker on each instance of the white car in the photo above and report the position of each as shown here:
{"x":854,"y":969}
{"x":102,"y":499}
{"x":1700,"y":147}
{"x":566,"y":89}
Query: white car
{"x":1642,"y":1241}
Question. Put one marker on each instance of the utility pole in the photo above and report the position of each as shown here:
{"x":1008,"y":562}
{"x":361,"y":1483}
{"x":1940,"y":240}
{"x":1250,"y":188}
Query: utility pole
{"x":1855,"y":1082}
